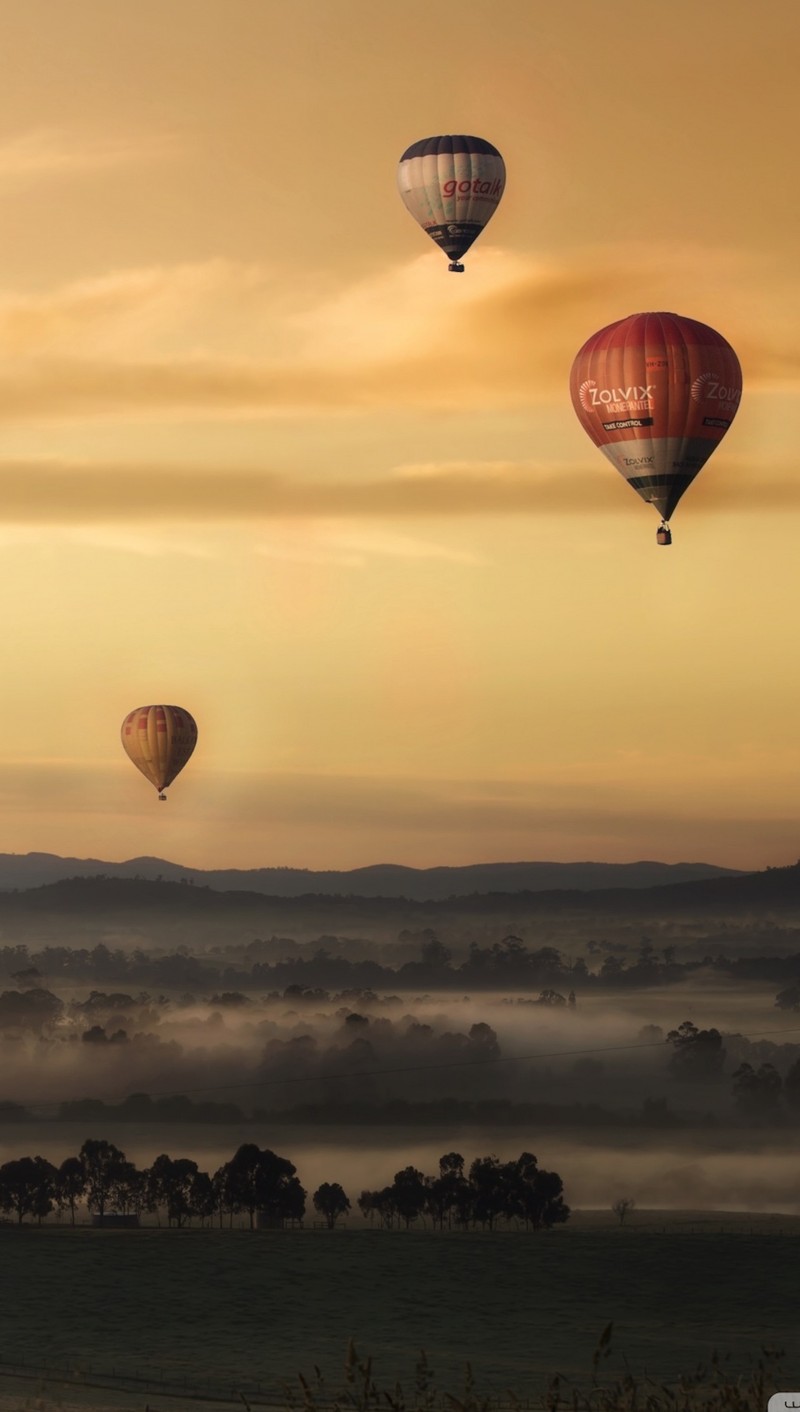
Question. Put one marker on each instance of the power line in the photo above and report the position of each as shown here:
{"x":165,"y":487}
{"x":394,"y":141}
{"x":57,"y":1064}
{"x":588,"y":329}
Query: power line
{"x":289,"y":1081}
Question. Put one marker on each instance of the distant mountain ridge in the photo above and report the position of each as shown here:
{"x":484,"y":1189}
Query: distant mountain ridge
{"x":31,"y":870}
{"x":82,"y":912}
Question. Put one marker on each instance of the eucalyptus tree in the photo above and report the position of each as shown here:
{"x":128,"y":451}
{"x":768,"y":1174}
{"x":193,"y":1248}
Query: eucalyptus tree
{"x":70,"y":1185}
{"x":27,"y":1187}
{"x":410,"y":1194}
{"x":261,"y":1181}
{"x":488,"y":1185}
{"x":331,"y":1200}
{"x":102,"y":1163}
{"x":170,"y":1183}
{"x":128,"y":1193}
{"x":448,"y":1195}
{"x":203,"y":1197}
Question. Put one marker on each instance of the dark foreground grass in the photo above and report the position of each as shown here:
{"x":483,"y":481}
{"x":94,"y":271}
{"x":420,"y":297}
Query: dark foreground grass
{"x":239,"y":1307}
{"x":706,"y":1389}
{"x":714,"y":1387}
{"x":202,"y":1315}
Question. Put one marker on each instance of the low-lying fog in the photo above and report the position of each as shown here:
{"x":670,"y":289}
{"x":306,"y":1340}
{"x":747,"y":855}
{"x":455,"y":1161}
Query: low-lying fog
{"x":617,"y":1114}
{"x":277,"y":1053}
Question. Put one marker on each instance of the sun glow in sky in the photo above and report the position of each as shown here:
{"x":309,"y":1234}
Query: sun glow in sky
{"x":263,"y":457}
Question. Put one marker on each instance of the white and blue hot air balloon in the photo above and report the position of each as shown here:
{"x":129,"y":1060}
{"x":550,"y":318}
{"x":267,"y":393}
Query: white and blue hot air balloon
{"x":452,"y":186}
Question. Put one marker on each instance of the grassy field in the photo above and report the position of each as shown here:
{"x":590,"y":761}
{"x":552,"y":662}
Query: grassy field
{"x":217,"y":1306}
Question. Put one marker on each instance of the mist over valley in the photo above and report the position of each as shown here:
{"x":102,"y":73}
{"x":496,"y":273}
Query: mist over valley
{"x":637,"y":1039}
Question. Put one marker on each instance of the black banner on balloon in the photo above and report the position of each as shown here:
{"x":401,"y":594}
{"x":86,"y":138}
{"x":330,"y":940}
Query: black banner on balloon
{"x":627,"y":423}
{"x":456,"y":237}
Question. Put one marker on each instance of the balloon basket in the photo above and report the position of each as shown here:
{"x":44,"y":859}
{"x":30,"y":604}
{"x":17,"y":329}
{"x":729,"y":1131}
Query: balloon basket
{"x":455,"y":268}
{"x":664,"y":535}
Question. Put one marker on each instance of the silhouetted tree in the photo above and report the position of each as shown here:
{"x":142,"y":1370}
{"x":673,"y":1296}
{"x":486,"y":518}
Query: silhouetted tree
{"x":224,"y":1193}
{"x":203,"y":1197}
{"x":96,"y":1035}
{"x":489,"y":1197}
{"x":623,"y":1208}
{"x":612,"y":970}
{"x":103,"y":1164}
{"x":70,"y":1185}
{"x":289,"y":1204}
{"x":379,"y":1203}
{"x":698,"y":1055}
{"x":533,"y":1195}
{"x":35,"y":1009}
{"x":241,"y":1180}
{"x":409,"y":1194}
{"x":483,"y":1040}
{"x":279,"y":1193}
{"x":27,"y":1186}
{"x":331,"y":1200}
{"x":263,"y":1181}
{"x":367,"y":1205}
{"x":171,"y":1184}
{"x":44,"y":1195}
{"x":128,"y":1193}
{"x":448,"y":1195}
{"x":434,"y":953}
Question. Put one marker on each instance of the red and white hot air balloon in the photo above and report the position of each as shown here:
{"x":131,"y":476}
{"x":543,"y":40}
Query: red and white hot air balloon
{"x":159,"y":741}
{"x":657,"y":393}
{"x":452,"y":186}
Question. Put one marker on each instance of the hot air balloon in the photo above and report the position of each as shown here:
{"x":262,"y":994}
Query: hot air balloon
{"x":159,"y":741}
{"x":452,"y":186}
{"x":657,"y":393}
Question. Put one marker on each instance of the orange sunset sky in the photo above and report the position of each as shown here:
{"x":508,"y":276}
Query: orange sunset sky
{"x":263,"y":457}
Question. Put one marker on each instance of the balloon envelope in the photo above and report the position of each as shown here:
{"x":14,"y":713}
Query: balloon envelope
{"x":657,"y":393}
{"x":452,"y":186}
{"x":159,"y":741}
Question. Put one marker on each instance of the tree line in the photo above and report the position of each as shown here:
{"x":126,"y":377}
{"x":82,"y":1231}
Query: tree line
{"x":264,"y":1187}
{"x":761,"y":1093}
{"x":508,"y":963}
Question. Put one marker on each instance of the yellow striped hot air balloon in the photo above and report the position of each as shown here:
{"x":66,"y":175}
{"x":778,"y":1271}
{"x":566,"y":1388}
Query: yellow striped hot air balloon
{"x":159,"y":741}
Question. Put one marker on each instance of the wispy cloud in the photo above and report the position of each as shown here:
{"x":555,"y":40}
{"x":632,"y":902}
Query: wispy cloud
{"x":48,"y":153}
{"x":51,"y":493}
{"x":216,"y":340}
{"x":128,"y":312}
{"x":352,"y":546}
